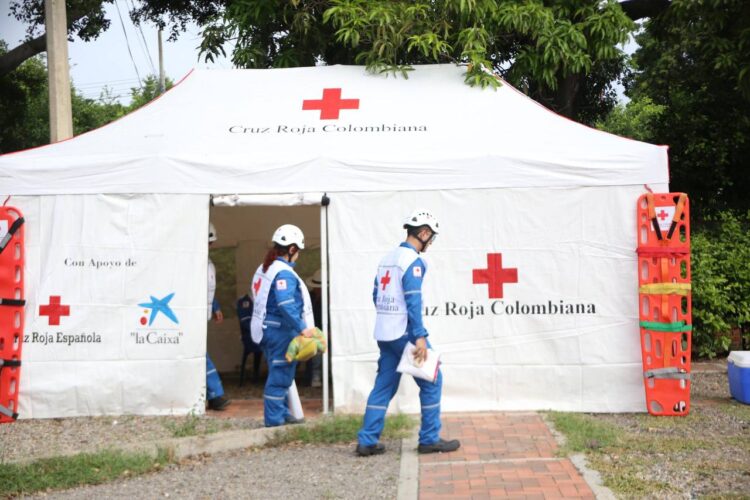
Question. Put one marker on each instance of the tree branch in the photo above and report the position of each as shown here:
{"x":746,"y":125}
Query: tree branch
{"x":639,"y":9}
{"x":14,"y":58}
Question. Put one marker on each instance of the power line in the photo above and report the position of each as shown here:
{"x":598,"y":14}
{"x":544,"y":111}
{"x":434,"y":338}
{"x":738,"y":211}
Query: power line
{"x":147,"y":52}
{"x":127,"y":42}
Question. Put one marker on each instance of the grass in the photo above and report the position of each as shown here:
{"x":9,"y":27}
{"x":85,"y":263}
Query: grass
{"x":77,"y":470}
{"x":340,"y":429}
{"x":624,"y":458}
{"x":192,"y":425}
{"x":608,"y":449}
{"x":584,"y":433}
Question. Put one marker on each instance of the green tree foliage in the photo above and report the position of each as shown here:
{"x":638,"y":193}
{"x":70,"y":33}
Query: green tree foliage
{"x":24,"y":106}
{"x":694,"y":59}
{"x":148,"y":91}
{"x":564,"y":53}
{"x":635,"y":120}
{"x":721,"y":282}
{"x":23,"y":98}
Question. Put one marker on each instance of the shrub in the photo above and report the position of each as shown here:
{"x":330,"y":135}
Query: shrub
{"x":721,"y":282}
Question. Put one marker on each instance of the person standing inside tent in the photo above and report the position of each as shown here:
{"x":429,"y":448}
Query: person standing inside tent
{"x":282,"y":311}
{"x":313,"y":375}
{"x":214,"y":389}
{"x":398,"y":301}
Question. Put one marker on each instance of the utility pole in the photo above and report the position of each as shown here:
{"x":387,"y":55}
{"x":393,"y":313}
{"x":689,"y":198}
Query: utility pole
{"x":60,"y":113}
{"x":162,"y":81}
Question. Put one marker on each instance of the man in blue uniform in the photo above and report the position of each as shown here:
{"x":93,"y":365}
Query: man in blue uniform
{"x":398,"y":300}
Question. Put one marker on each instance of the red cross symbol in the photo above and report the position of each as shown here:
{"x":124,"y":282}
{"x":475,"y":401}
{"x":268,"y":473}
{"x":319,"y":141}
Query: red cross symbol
{"x":330,"y":105}
{"x":256,"y":286}
{"x":54,"y":310}
{"x":386,"y":279}
{"x":662,"y":215}
{"x":495,"y":276}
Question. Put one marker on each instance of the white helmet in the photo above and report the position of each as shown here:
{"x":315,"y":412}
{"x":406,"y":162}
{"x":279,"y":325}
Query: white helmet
{"x":289,"y":234}
{"x":212,"y":235}
{"x":422,"y":217}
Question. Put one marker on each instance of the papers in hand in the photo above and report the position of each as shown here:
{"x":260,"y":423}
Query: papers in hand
{"x":428,"y":369}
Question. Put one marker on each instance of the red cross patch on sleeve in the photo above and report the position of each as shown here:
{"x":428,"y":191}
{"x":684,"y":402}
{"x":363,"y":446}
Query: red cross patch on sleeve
{"x":417,"y":271}
{"x":281,"y":285}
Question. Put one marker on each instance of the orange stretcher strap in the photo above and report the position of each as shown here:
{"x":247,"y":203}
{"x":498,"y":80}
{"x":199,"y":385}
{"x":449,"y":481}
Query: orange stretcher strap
{"x":663,"y":251}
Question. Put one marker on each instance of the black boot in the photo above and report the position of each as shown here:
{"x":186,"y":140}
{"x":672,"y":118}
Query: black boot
{"x":441,"y":446}
{"x":218,"y":404}
{"x":374,"y":449}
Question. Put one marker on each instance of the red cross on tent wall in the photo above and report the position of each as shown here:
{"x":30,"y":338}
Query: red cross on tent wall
{"x":54,"y":310}
{"x":330,"y":105}
{"x":495,"y":276}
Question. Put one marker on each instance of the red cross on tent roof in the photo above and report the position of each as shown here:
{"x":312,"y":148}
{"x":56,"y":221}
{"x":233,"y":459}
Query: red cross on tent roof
{"x":330,"y":105}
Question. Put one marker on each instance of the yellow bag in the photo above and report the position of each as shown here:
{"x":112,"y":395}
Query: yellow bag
{"x":303,"y":348}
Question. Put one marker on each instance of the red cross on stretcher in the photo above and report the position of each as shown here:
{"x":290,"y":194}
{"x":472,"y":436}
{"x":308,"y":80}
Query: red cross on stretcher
{"x":662,"y":215}
{"x":495,"y":276}
{"x":386,"y":279}
{"x":330,"y":105}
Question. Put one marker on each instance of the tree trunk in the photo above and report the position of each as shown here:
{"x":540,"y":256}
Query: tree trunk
{"x":14,"y":58}
{"x":565,"y":97}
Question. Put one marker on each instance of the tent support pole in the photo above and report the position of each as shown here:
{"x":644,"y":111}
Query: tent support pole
{"x":324,"y":292}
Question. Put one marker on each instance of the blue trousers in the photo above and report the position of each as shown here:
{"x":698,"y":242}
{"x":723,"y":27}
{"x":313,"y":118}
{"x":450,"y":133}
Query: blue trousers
{"x":280,"y":375}
{"x":214,"y":389}
{"x":386,"y":385}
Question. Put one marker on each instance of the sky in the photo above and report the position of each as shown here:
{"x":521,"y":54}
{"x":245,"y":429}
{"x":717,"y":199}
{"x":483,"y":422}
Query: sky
{"x":106,"y":60}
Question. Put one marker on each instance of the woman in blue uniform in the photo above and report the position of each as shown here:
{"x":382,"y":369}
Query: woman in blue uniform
{"x":282,"y":311}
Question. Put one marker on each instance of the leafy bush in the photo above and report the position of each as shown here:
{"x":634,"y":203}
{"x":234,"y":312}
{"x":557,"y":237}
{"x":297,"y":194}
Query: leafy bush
{"x":721,"y":282}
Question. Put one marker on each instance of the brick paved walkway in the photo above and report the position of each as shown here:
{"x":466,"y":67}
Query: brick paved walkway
{"x":502,"y":455}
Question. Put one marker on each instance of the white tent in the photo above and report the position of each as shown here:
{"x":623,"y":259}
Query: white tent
{"x":531,"y":289}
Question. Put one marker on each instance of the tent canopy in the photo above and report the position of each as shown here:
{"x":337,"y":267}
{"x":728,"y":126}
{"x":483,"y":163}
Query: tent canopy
{"x":333,"y":129}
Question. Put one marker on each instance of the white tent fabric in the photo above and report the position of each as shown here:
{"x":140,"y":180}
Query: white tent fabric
{"x":550,"y":200}
{"x":564,"y":333}
{"x":224,"y":132}
{"x":107,"y":348}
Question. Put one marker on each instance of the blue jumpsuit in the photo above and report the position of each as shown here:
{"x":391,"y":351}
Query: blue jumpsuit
{"x":214,"y":389}
{"x":387,"y":379}
{"x":284,"y":321}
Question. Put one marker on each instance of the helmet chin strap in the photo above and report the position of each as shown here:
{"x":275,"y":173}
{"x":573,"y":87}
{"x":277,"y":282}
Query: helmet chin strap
{"x":423,"y":242}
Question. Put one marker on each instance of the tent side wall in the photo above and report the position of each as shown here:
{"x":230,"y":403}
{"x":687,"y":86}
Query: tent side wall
{"x":116,"y":304}
{"x":561,"y":334}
